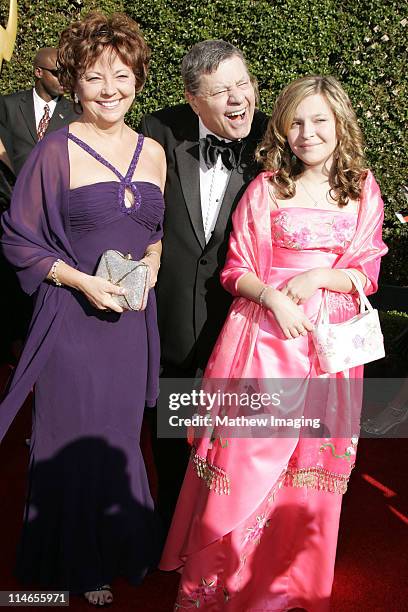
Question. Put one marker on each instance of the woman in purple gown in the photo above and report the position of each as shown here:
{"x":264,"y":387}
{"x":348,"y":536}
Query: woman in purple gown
{"x":87,"y":188}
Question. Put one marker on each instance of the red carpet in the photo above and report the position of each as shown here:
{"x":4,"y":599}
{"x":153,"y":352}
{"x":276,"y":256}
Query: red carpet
{"x":372,"y":560}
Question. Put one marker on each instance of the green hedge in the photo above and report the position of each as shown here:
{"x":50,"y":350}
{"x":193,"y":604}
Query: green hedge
{"x":363,"y":43}
{"x":395,"y":364}
{"x":39,"y":25}
{"x":393,"y":323}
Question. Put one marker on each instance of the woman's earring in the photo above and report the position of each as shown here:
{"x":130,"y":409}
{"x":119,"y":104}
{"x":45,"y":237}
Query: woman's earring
{"x":76,"y":99}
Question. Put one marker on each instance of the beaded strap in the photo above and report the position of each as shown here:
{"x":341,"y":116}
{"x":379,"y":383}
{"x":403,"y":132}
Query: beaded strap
{"x":125,"y":182}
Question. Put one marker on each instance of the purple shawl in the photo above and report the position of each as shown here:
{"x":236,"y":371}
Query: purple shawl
{"x":35,"y":235}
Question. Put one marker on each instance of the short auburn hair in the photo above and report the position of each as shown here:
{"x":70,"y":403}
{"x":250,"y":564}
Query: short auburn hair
{"x":83,"y":42}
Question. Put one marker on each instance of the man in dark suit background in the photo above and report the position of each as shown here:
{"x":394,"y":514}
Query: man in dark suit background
{"x":209,"y":145}
{"x":29,"y":115}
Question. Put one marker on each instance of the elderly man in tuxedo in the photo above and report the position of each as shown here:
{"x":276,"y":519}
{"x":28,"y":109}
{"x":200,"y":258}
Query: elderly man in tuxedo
{"x":209,"y":145}
{"x":29,"y":115}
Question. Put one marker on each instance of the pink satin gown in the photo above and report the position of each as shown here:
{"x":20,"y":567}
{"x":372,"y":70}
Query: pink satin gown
{"x":269,"y":542}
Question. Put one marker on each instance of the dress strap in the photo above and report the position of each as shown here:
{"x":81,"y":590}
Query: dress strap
{"x":135,"y":158}
{"x":95,"y":155}
{"x":125,"y":182}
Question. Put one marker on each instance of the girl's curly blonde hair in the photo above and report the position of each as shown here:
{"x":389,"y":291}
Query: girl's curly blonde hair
{"x":348,"y":167}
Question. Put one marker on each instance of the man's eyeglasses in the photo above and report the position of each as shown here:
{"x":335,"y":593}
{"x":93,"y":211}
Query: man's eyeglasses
{"x":53,"y":71}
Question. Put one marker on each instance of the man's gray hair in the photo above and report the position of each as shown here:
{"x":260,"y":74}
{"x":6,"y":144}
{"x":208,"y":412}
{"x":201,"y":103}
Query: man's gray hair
{"x":204,"y":58}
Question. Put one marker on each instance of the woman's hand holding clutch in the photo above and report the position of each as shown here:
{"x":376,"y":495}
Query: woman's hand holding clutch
{"x":99,"y":291}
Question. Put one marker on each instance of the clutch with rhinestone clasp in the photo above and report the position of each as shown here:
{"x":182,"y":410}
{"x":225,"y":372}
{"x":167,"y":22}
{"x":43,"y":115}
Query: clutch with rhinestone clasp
{"x":131,"y":275}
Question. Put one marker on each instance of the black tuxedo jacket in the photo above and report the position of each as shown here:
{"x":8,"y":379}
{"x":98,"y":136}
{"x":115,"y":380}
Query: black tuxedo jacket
{"x":18,"y":118}
{"x":192,"y":305}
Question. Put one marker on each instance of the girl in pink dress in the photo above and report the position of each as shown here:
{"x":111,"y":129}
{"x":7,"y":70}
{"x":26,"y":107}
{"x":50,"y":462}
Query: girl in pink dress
{"x":255,"y":528}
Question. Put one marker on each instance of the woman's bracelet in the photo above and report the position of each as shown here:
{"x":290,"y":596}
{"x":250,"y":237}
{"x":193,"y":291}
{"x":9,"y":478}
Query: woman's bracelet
{"x":53,"y":273}
{"x":261,"y":296}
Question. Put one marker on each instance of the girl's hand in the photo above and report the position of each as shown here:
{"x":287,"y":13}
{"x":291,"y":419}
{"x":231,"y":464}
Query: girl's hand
{"x":302,"y":286}
{"x":290,"y":318}
{"x":99,"y":291}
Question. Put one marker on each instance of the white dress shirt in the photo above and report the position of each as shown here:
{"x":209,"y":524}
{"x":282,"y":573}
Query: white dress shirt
{"x":213,"y":183}
{"x":39,"y":105}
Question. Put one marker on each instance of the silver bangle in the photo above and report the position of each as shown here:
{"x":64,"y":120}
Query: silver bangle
{"x":262,"y":295}
{"x":53,"y":273}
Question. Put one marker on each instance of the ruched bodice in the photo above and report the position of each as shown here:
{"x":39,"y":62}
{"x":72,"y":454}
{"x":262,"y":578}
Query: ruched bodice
{"x":96,"y":204}
{"x":98,"y":223}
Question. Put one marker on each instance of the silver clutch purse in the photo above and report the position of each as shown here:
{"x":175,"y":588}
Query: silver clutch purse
{"x":131,"y":275}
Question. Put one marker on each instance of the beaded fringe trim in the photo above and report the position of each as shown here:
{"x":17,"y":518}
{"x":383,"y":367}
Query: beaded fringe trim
{"x":218,"y":481}
{"x":214,"y":477}
{"x":317,"y":478}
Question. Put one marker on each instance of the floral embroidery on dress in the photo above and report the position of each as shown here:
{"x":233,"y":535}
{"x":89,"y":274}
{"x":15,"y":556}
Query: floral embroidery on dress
{"x":344,"y":301}
{"x":349,"y":452}
{"x":254,"y":533}
{"x":223,"y":442}
{"x":343,"y":228}
{"x":207,"y":592}
{"x":301,"y":238}
{"x":255,"y":527}
{"x":311,"y":230}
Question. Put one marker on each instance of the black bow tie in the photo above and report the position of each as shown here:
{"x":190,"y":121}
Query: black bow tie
{"x":212,"y":147}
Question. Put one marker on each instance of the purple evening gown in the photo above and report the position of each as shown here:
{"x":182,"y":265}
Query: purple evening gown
{"x":89,"y":515}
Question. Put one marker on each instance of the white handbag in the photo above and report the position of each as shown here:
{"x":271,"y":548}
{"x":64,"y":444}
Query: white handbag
{"x":351,"y":343}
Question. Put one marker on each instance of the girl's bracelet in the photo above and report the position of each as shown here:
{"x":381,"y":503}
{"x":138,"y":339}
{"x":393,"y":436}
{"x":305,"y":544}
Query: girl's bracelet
{"x":261,"y":296}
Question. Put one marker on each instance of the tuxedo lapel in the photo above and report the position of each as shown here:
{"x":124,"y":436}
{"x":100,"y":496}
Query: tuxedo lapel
{"x":188,"y":165}
{"x":27,"y":111}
